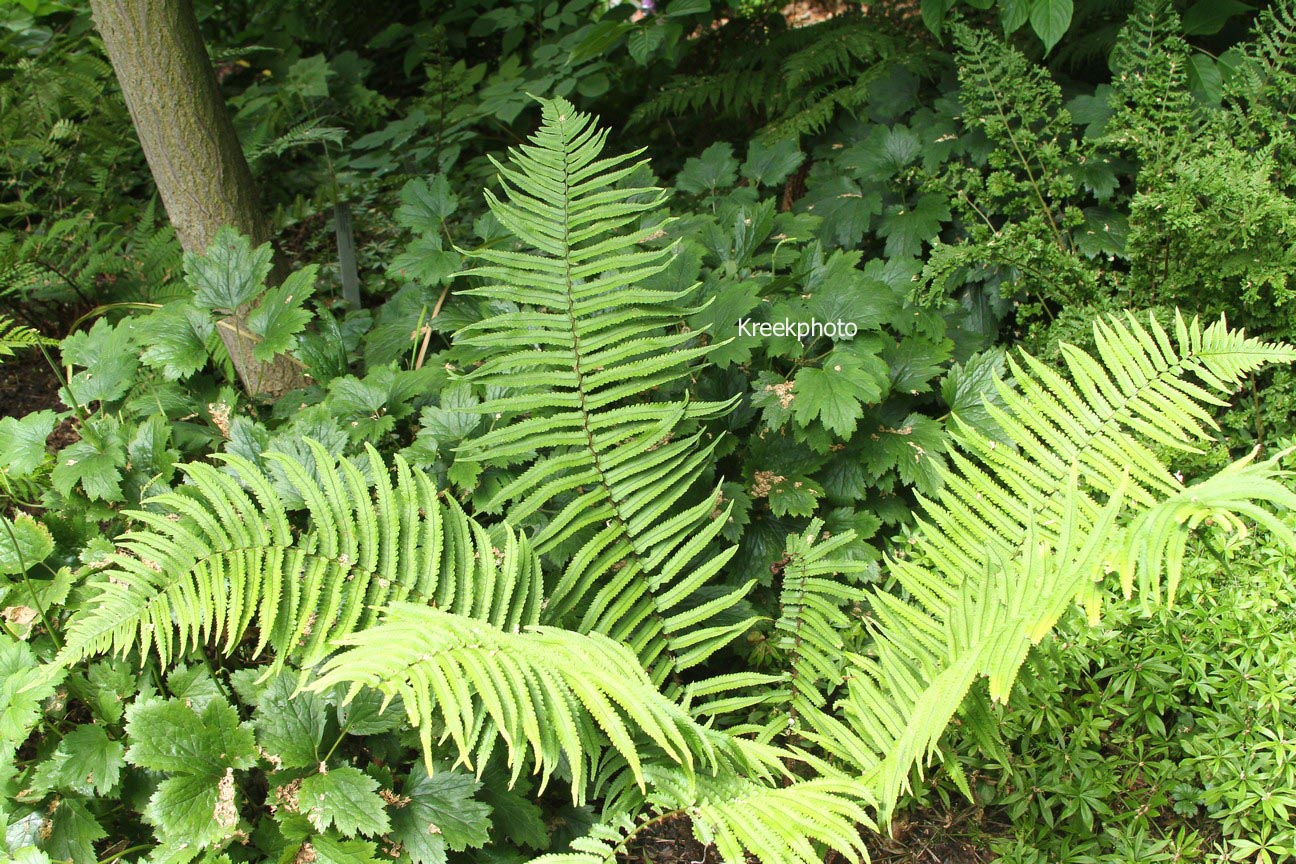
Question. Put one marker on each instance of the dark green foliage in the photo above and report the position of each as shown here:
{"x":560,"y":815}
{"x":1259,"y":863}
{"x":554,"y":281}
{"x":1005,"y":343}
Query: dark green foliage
{"x":571,"y":533}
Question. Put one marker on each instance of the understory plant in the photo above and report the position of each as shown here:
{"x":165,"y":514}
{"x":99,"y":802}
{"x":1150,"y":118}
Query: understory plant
{"x":307,"y":650}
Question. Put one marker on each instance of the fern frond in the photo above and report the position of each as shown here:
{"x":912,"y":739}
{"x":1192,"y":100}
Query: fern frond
{"x":739,"y":818}
{"x":1020,"y":532}
{"x":221,"y":556}
{"x":1151,"y":100}
{"x":14,"y":336}
{"x":809,"y":630}
{"x":577,"y":366}
{"x":556,"y":698}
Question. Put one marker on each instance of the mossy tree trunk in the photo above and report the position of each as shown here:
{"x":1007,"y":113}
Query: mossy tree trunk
{"x":192,"y":149}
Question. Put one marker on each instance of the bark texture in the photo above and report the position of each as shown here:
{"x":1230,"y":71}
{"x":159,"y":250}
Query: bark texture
{"x":193,"y":152}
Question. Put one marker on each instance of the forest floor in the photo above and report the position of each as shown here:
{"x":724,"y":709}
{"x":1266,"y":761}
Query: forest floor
{"x":920,"y":837}
{"x":27,"y":384}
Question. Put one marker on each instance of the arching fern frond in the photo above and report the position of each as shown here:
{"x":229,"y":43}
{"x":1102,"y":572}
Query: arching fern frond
{"x":213,"y":559}
{"x":809,"y":630}
{"x":556,"y":698}
{"x":1021,"y":532}
{"x":578,"y":364}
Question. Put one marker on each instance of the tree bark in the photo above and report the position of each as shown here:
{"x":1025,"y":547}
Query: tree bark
{"x":192,"y":149}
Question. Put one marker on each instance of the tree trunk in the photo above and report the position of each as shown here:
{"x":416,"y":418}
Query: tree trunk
{"x":192,"y":149}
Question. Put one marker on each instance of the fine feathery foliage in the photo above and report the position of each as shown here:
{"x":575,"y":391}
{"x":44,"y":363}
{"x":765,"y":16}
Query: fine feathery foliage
{"x":794,"y":82}
{"x":577,"y":364}
{"x":14,"y":336}
{"x":211,"y":560}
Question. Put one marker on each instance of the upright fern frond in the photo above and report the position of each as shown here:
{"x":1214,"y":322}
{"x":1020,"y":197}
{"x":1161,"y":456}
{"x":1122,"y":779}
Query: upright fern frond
{"x":215,"y":558}
{"x":1150,"y":97}
{"x":1019,"y":533}
{"x":809,"y":630}
{"x":578,"y":364}
{"x":14,"y":336}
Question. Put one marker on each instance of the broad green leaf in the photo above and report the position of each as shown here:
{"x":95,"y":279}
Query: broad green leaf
{"x":364,"y":714}
{"x":95,"y":462}
{"x":678,"y":8}
{"x":914,"y":361}
{"x":969,"y":391}
{"x":907,"y":228}
{"x":189,"y":808}
{"x":1207,"y":17}
{"x":1050,"y":19}
{"x":72,"y":832}
{"x":23,"y":686}
{"x":230,"y":273}
{"x":442,"y":801}
{"x":86,"y":762}
{"x":715,"y":169}
{"x":845,"y":208}
{"x":22,"y":442}
{"x":345,"y":797}
{"x":281,"y":315}
{"x":289,"y":725}
{"x":330,"y":850}
{"x":1013,"y":14}
{"x":24,"y":543}
{"x":425,"y":204}
{"x":770,"y":164}
{"x":513,"y":813}
{"x":835,"y":393}
{"x":110,"y":360}
{"x":733,"y":302}
{"x":445,"y":423}
{"x":794,"y":496}
{"x":171,"y":736}
{"x":178,"y":335}
{"x":425,"y":261}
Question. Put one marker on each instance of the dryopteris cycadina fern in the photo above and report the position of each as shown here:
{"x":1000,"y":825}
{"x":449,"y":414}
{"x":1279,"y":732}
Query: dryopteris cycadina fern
{"x":214,"y":559}
{"x":1019,"y":533}
{"x":578,"y":363}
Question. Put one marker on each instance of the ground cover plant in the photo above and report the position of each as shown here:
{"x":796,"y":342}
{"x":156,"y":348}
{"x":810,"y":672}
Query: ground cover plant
{"x":472,"y":501}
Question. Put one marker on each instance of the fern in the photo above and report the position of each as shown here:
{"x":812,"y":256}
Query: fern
{"x":14,"y":336}
{"x":809,"y":630}
{"x":1019,"y":532}
{"x":794,"y":81}
{"x":557,"y":693}
{"x":1152,"y":105}
{"x":211,"y":561}
{"x":577,"y":363}
{"x":739,"y":817}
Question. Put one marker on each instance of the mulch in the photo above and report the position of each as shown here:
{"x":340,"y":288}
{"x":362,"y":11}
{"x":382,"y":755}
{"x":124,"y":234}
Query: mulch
{"x":27,"y":384}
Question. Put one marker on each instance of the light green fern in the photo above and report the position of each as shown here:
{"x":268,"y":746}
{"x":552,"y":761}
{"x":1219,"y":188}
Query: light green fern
{"x":578,"y":362}
{"x":212,"y":559}
{"x":1019,"y":533}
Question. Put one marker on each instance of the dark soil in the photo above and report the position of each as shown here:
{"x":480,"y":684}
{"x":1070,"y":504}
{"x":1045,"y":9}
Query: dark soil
{"x":925,"y":837}
{"x":27,"y":384}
